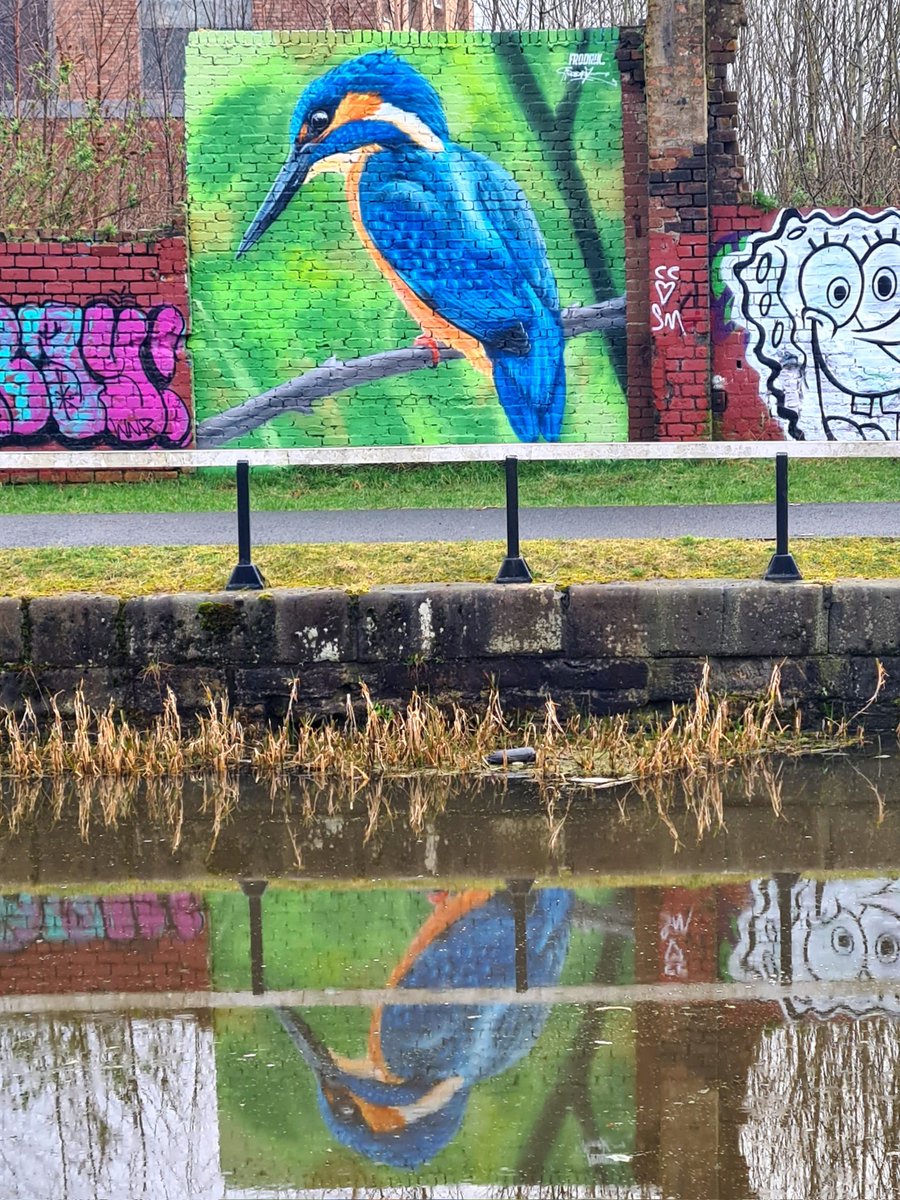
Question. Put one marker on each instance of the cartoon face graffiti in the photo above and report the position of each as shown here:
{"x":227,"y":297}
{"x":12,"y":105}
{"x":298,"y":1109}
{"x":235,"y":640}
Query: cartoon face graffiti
{"x":820,"y":298}
{"x":844,"y":931}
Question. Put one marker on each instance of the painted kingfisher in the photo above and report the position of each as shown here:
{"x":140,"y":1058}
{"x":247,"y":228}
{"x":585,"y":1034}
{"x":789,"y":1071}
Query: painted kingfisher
{"x":406,"y":1099}
{"x":451,"y":231}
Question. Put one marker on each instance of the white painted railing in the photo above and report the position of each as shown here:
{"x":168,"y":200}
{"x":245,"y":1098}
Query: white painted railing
{"x":352,"y":456}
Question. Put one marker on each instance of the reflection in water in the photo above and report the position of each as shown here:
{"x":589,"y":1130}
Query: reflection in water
{"x":841,"y":931}
{"x":114,"y":1108}
{"x":823,"y":1112}
{"x":669,"y":1092}
{"x":822,"y":1104}
{"x":406,"y":1099}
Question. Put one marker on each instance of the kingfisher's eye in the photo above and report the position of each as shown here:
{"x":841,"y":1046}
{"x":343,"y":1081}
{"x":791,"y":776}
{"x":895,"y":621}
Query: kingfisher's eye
{"x":318,"y":121}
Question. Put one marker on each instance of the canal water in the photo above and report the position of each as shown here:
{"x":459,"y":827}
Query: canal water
{"x":511,"y":995}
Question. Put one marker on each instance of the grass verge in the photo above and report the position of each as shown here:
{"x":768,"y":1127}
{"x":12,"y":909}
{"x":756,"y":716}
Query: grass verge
{"x":143,"y":570}
{"x":470,"y":485}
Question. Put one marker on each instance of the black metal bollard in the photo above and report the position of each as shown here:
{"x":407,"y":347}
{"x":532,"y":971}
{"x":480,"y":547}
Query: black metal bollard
{"x":782,"y":568}
{"x":514,"y":568}
{"x":245,"y":576}
{"x":519,"y":889}
{"x":253,"y":889}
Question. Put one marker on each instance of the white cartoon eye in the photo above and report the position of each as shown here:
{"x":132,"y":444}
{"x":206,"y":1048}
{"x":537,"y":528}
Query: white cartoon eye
{"x":831,"y":283}
{"x":836,"y":949}
{"x":884,"y":285}
{"x":842,"y":940}
{"x":838,"y":292}
{"x":881,"y":930}
{"x":887,"y":948}
{"x":881,"y":295}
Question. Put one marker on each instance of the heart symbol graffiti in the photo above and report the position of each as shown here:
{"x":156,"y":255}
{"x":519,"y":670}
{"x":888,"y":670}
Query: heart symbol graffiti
{"x":664,"y":291}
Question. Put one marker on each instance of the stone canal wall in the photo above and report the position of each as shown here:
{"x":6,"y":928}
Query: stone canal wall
{"x":604,"y":647}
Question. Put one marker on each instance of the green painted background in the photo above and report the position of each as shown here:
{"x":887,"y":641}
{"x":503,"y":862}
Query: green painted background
{"x":272,"y":1134}
{"x":308,"y":289}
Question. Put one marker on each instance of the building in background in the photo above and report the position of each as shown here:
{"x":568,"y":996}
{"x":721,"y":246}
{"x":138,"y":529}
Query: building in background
{"x":122,"y":51}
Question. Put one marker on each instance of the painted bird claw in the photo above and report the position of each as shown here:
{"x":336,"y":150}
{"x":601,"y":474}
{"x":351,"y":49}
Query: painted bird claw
{"x":429,"y":343}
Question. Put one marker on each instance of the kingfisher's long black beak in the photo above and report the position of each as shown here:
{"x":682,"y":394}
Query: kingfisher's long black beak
{"x":311,"y":1050}
{"x":282,"y":191}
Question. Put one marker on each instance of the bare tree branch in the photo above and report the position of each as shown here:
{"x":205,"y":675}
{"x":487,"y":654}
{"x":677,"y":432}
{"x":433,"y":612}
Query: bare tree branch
{"x":298,"y":395}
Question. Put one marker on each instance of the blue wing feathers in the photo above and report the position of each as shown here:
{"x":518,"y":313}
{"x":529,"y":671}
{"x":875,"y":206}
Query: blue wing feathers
{"x":460,"y":233}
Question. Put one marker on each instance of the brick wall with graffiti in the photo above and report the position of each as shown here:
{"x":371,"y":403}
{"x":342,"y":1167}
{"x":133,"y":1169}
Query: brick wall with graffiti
{"x":806,"y":323}
{"x":454,"y":238}
{"x":92,"y":345}
{"x":127,"y":943}
{"x":458,"y":272}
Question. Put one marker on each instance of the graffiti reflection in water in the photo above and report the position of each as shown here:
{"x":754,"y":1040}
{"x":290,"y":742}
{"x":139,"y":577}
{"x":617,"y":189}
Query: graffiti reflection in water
{"x":843,"y":931}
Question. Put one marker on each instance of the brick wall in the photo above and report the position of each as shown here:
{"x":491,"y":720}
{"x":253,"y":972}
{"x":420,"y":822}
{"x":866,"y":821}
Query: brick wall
{"x":726,"y":179}
{"x":678,"y":185}
{"x":113,"y":943}
{"x":360,"y":14}
{"x":102,"y":42}
{"x":92,"y":341}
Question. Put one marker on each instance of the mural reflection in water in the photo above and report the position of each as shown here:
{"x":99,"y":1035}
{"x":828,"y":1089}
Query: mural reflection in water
{"x":405,"y":1104}
{"x":804,"y":931}
{"x":821,"y":1100}
{"x":671,"y":1092}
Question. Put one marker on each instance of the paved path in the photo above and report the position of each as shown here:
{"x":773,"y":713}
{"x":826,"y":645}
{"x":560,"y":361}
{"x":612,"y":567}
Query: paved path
{"x":442,"y":524}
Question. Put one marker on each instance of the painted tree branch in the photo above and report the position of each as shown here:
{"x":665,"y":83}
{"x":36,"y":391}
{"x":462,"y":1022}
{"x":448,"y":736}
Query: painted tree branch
{"x":298,"y":395}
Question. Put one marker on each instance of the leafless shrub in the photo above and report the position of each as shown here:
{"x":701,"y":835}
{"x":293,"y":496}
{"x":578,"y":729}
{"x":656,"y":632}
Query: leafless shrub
{"x":818,"y":85}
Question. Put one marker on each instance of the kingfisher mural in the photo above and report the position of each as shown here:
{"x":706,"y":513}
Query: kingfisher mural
{"x":450,"y":230}
{"x":478,"y":217}
{"x":394,"y":1084}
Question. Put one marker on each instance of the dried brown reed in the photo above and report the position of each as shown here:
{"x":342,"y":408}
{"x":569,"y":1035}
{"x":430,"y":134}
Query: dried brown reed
{"x":421,"y":737}
{"x":91,"y":758}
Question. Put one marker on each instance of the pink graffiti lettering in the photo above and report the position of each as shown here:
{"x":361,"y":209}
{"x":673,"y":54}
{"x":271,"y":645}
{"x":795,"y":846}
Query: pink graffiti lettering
{"x":186,"y":915}
{"x":150,"y":916}
{"x":24,"y":400}
{"x":145,"y":916}
{"x":113,"y":346}
{"x":20,"y":922}
{"x":118,"y":918}
{"x":99,"y":373}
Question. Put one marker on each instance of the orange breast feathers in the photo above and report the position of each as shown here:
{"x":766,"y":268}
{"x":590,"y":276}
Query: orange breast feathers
{"x":450,"y":909}
{"x":432,"y":323}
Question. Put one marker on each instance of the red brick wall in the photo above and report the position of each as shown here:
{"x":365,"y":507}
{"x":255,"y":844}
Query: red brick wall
{"x":115,"y":943}
{"x":166,"y":964}
{"x":687,"y":949}
{"x":92,"y":341}
{"x":740,"y":413}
